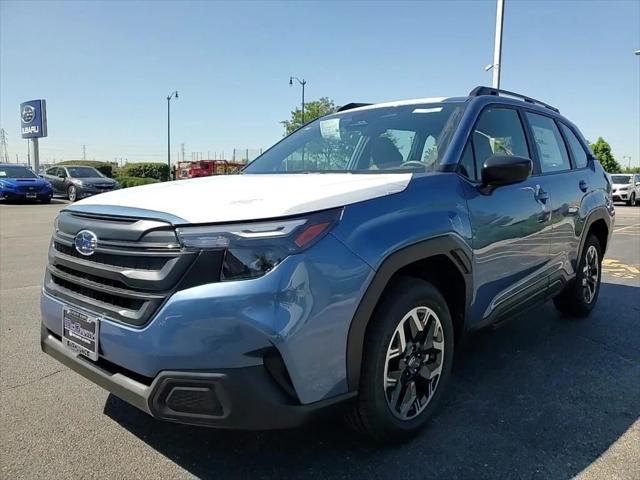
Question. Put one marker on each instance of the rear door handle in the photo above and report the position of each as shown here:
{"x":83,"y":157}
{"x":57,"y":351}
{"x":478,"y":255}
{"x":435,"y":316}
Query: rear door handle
{"x":584,"y":186}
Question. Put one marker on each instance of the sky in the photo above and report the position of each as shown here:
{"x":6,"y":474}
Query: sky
{"x":105,"y":68}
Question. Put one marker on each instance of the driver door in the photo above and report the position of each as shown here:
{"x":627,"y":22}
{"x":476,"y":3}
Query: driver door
{"x":510,"y":225}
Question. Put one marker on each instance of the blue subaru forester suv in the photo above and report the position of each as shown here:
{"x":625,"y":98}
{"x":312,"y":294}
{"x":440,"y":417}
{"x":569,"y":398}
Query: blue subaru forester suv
{"x":340,"y":268}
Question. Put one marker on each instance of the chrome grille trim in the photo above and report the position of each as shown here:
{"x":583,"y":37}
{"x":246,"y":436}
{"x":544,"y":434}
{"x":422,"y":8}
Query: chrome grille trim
{"x":137,"y":265}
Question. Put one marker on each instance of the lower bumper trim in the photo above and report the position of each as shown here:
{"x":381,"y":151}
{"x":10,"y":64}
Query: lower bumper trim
{"x":246,"y":398}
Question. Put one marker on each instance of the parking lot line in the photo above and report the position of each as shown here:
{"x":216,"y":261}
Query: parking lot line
{"x":635,"y":226}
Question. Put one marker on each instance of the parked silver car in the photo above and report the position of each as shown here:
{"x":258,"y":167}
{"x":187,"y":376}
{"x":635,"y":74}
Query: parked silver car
{"x":626,"y":188}
{"x":76,"y":182}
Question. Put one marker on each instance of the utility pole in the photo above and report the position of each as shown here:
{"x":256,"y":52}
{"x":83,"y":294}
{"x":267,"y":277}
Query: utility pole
{"x":497,"y":48}
{"x":84,"y":153}
{"x":182,"y":148}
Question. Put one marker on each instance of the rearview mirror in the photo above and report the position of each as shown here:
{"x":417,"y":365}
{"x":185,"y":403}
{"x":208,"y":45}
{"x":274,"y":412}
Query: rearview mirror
{"x":500,"y":170}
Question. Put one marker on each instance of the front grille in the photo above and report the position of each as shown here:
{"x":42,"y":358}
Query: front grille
{"x":28,"y":188}
{"x":137,"y":265}
{"x":128,"y":261}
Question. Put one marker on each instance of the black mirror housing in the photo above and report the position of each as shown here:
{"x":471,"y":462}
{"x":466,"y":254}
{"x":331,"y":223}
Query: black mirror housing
{"x":500,"y":170}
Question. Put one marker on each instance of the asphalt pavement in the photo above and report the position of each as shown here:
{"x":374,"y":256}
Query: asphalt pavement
{"x":540,"y":397}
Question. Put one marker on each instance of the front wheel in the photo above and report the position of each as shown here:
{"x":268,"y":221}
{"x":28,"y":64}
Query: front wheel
{"x":632,"y":199}
{"x":407,"y":360}
{"x":72,"y":193}
{"x":580,"y":296}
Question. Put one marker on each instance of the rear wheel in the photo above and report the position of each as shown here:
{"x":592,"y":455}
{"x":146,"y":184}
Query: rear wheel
{"x":72,"y":193}
{"x":580,"y":296}
{"x":407,"y":360}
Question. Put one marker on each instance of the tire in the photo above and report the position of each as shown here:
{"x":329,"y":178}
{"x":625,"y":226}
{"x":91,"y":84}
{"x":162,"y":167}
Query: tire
{"x":379,"y":411}
{"x":581,"y":295}
{"x":72,"y":193}
{"x":632,"y":199}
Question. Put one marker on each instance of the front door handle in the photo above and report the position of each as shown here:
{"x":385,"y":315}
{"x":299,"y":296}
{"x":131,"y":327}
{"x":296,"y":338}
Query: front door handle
{"x":540,"y":195}
{"x":584,"y":186}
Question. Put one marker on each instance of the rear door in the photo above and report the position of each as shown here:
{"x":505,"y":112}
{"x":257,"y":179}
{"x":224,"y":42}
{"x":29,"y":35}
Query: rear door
{"x":52,"y":177}
{"x":565,"y":168}
{"x":510,"y":224}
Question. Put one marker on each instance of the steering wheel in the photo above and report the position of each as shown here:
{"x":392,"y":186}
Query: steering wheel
{"x":413,"y":163}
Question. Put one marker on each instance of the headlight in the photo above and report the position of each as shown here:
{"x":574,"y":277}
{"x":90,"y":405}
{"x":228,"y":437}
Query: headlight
{"x":76,"y":182}
{"x":6,"y":185}
{"x":624,"y":188}
{"x":252,"y":249}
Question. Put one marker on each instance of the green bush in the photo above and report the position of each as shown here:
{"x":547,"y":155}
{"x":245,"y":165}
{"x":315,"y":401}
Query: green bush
{"x":126,"y":182}
{"x":159,"y":171}
{"x":105,"y":168}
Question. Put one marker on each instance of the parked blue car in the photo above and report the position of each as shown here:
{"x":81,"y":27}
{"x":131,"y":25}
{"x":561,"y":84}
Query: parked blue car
{"x":18,"y":182}
{"x":340,"y":269}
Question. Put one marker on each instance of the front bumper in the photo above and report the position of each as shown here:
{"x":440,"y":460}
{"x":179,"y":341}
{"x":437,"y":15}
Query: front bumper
{"x":302,"y":309}
{"x":88,"y":191}
{"x":15,"y":195}
{"x":239,"y":398}
{"x":620,"y":196}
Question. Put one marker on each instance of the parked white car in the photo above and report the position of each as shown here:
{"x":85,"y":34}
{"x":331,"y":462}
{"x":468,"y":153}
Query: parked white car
{"x":626,"y":188}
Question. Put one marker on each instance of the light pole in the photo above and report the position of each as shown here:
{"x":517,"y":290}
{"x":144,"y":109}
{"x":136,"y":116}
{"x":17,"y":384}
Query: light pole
{"x":628,"y":157}
{"x":169,"y":97}
{"x":302,"y":82}
{"x":497,"y":46}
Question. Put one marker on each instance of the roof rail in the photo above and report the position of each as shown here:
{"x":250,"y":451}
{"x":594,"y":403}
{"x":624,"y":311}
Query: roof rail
{"x":478,"y":91}
{"x":350,"y":106}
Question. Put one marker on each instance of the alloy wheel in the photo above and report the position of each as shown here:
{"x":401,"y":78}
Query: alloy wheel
{"x":413,"y":364}
{"x":72,"y":193}
{"x":590,"y":273}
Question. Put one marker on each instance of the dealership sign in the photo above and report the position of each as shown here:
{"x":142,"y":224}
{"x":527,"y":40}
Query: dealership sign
{"x":33,"y":119}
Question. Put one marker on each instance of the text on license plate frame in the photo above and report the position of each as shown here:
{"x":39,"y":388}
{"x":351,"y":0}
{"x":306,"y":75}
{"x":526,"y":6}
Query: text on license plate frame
{"x":80,"y":332}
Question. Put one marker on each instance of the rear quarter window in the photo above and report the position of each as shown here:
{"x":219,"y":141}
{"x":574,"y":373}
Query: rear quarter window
{"x":575,"y":146}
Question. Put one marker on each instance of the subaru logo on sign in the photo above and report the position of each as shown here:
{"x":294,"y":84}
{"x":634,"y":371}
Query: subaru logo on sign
{"x":86,"y":242}
{"x":33,"y":119}
{"x":28,"y":114}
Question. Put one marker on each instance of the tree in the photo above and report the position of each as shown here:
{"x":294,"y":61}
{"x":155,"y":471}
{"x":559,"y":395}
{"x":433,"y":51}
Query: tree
{"x":312,"y":110}
{"x":602,"y":150}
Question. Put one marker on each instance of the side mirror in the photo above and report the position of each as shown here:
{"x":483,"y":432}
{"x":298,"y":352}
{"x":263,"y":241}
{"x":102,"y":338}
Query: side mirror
{"x":500,"y":170}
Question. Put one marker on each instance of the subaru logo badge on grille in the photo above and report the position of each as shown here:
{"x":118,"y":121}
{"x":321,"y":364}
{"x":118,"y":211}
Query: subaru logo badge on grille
{"x":86,"y":242}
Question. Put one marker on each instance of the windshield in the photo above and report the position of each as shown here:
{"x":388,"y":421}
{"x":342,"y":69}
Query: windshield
{"x":83,"y":172}
{"x":404,"y":137}
{"x":16,"y":171}
{"x":621,"y":179}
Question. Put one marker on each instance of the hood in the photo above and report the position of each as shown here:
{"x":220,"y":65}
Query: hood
{"x":230,"y":198}
{"x":29,"y":182}
{"x":95,"y":180}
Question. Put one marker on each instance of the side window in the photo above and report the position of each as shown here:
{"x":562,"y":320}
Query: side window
{"x":577,"y":150}
{"x":62,"y":172}
{"x":551,"y":149}
{"x":52,"y":171}
{"x":402,"y":139}
{"x":498,"y":131}
{"x":430,"y":151}
{"x":637,"y":179}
